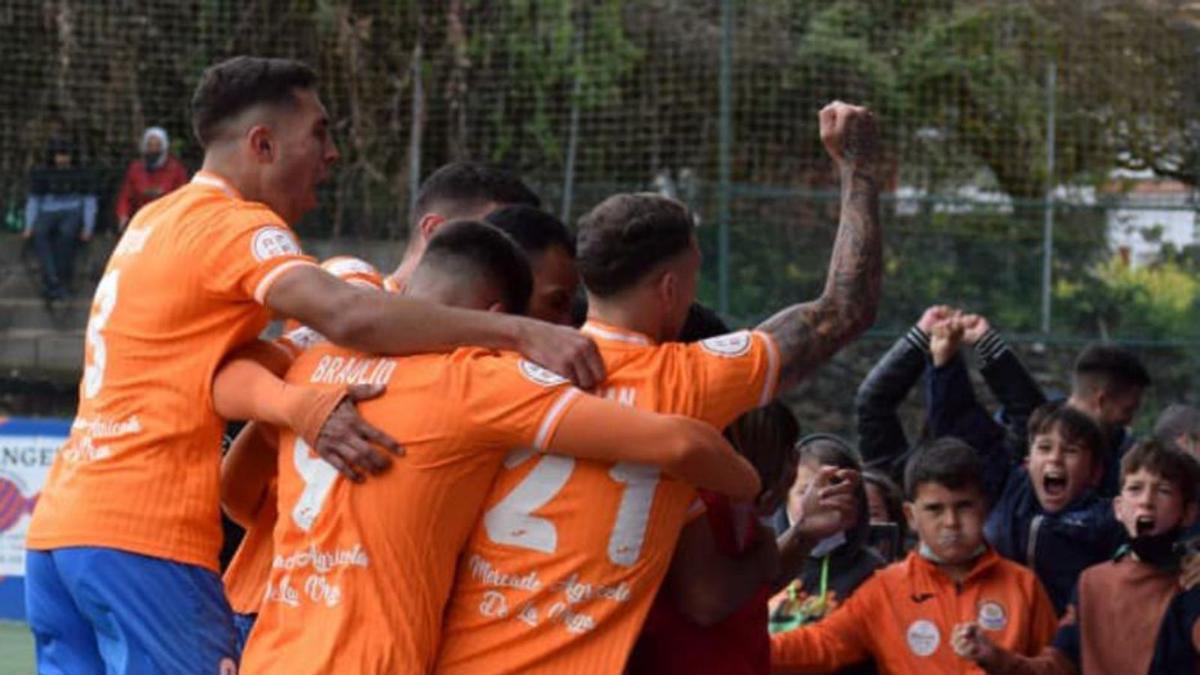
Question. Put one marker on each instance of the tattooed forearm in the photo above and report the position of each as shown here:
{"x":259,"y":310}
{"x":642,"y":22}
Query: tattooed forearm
{"x":809,"y":334}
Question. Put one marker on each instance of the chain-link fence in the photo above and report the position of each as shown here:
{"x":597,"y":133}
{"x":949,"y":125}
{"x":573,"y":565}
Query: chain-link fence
{"x":1008,"y":125}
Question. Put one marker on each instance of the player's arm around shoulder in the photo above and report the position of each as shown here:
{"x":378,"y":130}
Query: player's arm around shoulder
{"x":808,"y":334}
{"x":690,"y":450}
{"x":387,"y":323}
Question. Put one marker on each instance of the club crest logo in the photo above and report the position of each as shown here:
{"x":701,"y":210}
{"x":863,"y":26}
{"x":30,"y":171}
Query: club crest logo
{"x":273,"y":242}
{"x":729,"y":345}
{"x":923,"y":637}
{"x":992,"y":616}
{"x":539,"y":375}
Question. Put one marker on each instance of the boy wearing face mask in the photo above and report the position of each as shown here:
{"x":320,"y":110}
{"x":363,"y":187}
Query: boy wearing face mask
{"x":1118,"y":607}
{"x":903,"y":616}
{"x":1046,"y":512}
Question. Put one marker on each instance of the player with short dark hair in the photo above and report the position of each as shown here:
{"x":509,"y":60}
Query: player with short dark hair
{"x":483,"y":257}
{"x":362,"y":572}
{"x":551,"y":250}
{"x":613,"y":528}
{"x":1107,"y":384}
{"x":135,"y":489}
{"x":457,"y":191}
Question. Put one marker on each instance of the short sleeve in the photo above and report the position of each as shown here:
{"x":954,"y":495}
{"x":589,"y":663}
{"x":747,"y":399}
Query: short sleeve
{"x":248,"y":255}
{"x":297,"y":338}
{"x":354,"y":271}
{"x":733,"y":373}
{"x":510,"y":402}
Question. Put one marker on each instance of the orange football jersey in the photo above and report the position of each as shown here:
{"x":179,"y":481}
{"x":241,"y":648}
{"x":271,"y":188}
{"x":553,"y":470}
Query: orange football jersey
{"x":361,"y":572}
{"x":561,"y":570}
{"x":246,"y":578}
{"x":184,"y":286}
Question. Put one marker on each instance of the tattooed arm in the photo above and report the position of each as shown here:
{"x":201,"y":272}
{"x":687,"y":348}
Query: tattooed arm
{"x":809,"y":334}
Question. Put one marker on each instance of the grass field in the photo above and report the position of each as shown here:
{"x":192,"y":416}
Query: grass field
{"x":16,"y":649}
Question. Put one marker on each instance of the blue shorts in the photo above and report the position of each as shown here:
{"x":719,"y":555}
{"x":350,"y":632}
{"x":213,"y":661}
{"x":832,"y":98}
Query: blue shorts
{"x":100,"y":610}
{"x":244,"y":623}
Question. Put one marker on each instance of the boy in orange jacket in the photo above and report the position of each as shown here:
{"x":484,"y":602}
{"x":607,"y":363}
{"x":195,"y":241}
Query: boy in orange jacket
{"x":904,"y":615}
{"x":1118,"y":607}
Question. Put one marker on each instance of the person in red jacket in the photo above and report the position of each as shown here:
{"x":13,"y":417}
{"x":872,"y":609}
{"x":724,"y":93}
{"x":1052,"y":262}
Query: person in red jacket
{"x":153,"y":175}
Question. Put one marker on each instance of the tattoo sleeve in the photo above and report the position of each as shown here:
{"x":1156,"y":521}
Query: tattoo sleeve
{"x":808,"y":334}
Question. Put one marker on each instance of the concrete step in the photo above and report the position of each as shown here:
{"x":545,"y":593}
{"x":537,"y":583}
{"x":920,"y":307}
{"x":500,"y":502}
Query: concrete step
{"x":34,"y":314}
{"x":41,"y":351}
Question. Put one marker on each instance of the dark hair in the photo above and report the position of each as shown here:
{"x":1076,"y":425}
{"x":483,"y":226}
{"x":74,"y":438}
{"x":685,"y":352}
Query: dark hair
{"x":626,"y":236}
{"x":1075,"y":426}
{"x":460,"y":187}
{"x":1110,"y":367}
{"x":532,"y":228}
{"x":1166,"y":460}
{"x":701,"y":324}
{"x":232,"y":86}
{"x":946,"y":461}
{"x":891,"y":494}
{"x":487,"y":251}
{"x":830,"y":450}
{"x":765,"y":437}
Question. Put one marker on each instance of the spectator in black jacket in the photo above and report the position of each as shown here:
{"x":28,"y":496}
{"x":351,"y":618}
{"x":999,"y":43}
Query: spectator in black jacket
{"x":882,"y":440}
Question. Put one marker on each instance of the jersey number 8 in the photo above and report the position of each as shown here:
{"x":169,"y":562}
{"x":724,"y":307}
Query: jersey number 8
{"x":103,"y":304}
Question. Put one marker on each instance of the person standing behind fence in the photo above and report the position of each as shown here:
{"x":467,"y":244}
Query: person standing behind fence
{"x":149,"y":177}
{"x":59,"y":212}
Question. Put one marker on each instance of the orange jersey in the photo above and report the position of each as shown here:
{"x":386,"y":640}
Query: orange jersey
{"x":246,"y":578}
{"x":184,"y":286}
{"x":361,"y":572}
{"x":559,"y":574}
{"x":903,"y":617}
{"x":296,"y":338}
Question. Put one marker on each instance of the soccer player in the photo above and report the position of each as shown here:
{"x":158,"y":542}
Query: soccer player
{"x":599,"y":537}
{"x":551,"y":250}
{"x":361,"y":572}
{"x":457,"y":191}
{"x":249,"y":469}
{"x":134,"y":490}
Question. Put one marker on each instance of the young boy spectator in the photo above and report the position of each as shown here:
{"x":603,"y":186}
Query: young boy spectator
{"x":903,"y":616}
{"x":1118,"y":606}
{"x":836,"y":566}
{"x":1045,"y":513}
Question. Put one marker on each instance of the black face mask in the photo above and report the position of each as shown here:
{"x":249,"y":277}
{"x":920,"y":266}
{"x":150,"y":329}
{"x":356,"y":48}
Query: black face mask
{"x":1158,"y":549}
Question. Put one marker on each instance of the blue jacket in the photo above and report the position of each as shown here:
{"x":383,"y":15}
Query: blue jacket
{"x":1057,"y":547}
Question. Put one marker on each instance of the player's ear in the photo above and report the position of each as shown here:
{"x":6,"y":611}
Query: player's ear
{"x":909,"y":516}
{"x":429,"y":224}
{"x":668,"y":288}
{"x":498,"y":307}
{"x":262,"y":144}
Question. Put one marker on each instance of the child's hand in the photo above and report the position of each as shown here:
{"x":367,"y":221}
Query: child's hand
{"x":945,"y":339}
{"x":970,"y":643}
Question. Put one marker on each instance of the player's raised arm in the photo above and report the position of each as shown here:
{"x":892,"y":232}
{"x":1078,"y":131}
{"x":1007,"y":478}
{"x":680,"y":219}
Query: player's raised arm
{"x":690,"y":450}
{"x":809,"y":334}
{"x":386,"y":323}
